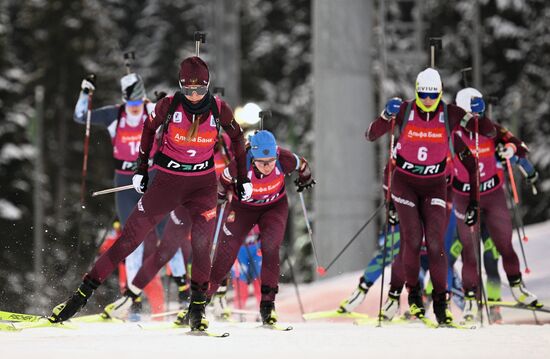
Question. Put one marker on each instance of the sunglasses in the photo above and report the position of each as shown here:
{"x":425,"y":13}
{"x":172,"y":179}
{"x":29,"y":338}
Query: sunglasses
{"x":432,"y":95}
{"x":134,"y":103}
{"x":265,"y":163}
{"x":199,"y":90}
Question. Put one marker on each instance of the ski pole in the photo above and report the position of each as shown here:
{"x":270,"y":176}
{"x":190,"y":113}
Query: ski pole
{"x":91,"y":77}
{"x":386,"y":223}
{"x":355,"y":236}
{"x":199,"y":37}
{"x":476,"y":230}
{"x":435,"y":44}
{"x":112,"y":190}
{"x":219,"y":225}
{"x":320,"y":270}
{"x":129,"y":57}
{"x":517,"y":225}
{"x":264,"y":115}
{"x":295,"y":283}
{"x":512,"y":187}
{"x":512,"y":180}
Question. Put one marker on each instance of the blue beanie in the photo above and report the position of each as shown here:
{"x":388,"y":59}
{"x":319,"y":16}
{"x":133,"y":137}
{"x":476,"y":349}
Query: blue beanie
{"x":263,"y":144}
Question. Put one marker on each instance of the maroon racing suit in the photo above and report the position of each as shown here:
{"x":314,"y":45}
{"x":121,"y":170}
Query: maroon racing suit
{"x":268,"y":208}
{"x":186,"y":177}
{"x":492,"y":203}
{"x":418,"y":186}
{"x":177,"y":229}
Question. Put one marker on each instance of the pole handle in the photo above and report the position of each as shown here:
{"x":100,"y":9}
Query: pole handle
{"x":129,"y":57}
{"x":200,"y":38}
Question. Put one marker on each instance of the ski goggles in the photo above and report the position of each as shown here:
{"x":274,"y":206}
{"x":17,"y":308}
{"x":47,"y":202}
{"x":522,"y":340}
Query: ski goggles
{"x":431,"y":95}
{"x":199,"y":90}
{"x":266,"y":162}
{"x":134,"y":103}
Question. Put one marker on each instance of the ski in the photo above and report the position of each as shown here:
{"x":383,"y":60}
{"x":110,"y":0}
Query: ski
{"x":515,"y":305}
{"x":96,"y":318}
{"x":276,"y":327}
{"x":207,"y":333}
{"x":163,"y":326}
{"x":43,"y":323}
{"x":432,"y":324}
{"x":374,"y":321}
{"x":8,"y":327}
{"x":334,"y":314}
{"x":19,"y":317}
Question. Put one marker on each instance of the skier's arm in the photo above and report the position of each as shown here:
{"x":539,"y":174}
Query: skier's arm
{"x":150,"y":126}
{"x":459,"y":117}
{"x":103,"y":116}
{"x":291,"y":162}
{"x":235,"y":133}
{"x":382,"y":123}
{"x":467,"y":158}
{"x":505,"y":136}
{"x":227,"y":179}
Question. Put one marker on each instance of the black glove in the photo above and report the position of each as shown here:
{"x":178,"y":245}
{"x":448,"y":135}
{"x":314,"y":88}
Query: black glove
{"x":141,"y":175}
{"x":470,"y":217}
{"x":243,"y":188}
{"x":88,"y":84}
{"x":393,"y":218}
{"x":302,"y":184}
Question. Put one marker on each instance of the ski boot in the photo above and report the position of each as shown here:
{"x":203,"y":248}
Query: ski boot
{"x":416,"y":306}
{"x":121,"y":306}
{"x":267,"y":312}
{"x":469,"y":313}
{"x":441,"y":309}
{"x":75,"y":303}
{"x":219,"y":303}
{"x":521,"y":294}
{"x":183,"y":292}
{"x":196,"y":313}
{"x":136,"y":308}
{"x":356,"y":298}
{"x":391,"y":306}
{"x":183,"y":318}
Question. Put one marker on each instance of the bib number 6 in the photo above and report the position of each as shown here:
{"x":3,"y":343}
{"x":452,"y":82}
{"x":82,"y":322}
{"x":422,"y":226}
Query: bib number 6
{"x":422,"y":154}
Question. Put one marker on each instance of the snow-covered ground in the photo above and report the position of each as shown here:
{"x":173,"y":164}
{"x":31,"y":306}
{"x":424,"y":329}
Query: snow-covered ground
{"x":320,"y":339}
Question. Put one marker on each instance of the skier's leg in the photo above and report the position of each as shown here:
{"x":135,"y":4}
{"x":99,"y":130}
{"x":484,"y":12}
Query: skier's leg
{"x":499,"y":224}
{"x":155,"y":203}
{"x":231,"y":237}
{"x":470,"y":276}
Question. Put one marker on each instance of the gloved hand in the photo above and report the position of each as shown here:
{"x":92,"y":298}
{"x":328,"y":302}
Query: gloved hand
{"x":303,"y":184}
{"x":88,"y":84}
{"x":141,"y":176}
{"x":477,"y":105}
{"x":393,"y":218}
{"x":392,"y":108}
{"x":507,"y":151}
{"x":140,"y":182}
{"x":244,"y":188}
{"x":470,"y":217}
